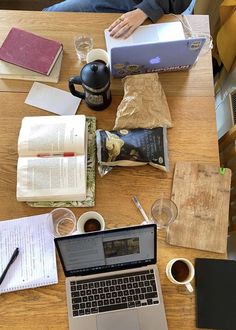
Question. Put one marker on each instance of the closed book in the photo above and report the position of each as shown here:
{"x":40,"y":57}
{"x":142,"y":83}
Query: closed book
{"x":215,"y":293}
{"x":30,"y":51}
{"x":11,"y":71}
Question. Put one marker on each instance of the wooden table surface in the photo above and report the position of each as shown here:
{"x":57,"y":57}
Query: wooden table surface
{"x":193,"y":138}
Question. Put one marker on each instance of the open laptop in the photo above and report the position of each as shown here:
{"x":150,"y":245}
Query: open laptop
{"x":112,"y":282}
{"x":153,"y":48}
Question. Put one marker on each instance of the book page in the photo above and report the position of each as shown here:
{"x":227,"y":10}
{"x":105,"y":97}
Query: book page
{"x":36,"y":263}
{"x":51,"y":178}
{"x":48,"y":135}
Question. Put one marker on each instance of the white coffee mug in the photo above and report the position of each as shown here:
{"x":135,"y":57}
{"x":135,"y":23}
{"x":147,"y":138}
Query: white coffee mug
{"x":90,"y":221}
{"x":180,"y":271}
{"x":97,"y":54}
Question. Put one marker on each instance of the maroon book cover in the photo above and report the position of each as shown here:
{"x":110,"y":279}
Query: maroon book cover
{"x":30,"y":51}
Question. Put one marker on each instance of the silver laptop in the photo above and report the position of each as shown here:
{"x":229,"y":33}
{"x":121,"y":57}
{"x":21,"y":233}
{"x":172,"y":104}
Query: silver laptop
{"x":160,"y":47}
{"x":112,"y":282}
{"x":163,"y":56}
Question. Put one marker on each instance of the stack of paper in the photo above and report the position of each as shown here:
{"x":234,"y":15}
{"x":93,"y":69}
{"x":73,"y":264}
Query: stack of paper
{"x":11,"y":71}
{"x":36,"y":263}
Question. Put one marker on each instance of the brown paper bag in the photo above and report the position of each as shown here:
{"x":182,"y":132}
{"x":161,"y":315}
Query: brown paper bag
{"x":144,"y":104}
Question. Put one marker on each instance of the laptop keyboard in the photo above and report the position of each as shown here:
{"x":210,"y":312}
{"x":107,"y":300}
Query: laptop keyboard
{"x":111,"y":293}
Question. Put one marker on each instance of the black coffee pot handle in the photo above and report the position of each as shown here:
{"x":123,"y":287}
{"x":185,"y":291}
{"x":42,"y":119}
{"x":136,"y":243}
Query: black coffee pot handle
{"x":76,"y":81}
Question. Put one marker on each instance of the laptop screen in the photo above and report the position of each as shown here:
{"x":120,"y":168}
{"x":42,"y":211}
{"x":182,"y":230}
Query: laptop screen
{"x":107,"y":250}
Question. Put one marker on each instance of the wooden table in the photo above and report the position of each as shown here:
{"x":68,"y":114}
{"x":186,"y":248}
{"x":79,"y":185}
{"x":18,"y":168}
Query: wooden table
{"x":193,"y":138}
{"x":63,"y":27}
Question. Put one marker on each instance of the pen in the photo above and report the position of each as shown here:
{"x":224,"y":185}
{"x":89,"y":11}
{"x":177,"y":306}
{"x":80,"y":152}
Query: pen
{"x":13,"y":258}
{"x":63,"y":154}
{"x":136,"y":202}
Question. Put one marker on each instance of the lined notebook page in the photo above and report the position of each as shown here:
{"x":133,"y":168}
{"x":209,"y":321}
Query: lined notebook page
{"x":36,"y":263}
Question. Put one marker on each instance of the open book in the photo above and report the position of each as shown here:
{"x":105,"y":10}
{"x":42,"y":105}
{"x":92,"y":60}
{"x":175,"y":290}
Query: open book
{"x":52,"y":159}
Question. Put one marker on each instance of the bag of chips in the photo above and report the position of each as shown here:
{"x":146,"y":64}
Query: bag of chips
{"x":134,"y":147}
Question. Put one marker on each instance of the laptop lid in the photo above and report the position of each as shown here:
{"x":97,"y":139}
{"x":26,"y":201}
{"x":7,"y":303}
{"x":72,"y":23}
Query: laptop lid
{"x":153,"y":57}
{"x":108,"y":250}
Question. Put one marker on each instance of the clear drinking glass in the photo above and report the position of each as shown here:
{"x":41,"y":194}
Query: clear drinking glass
{"x":62,"y":222}
{"x":83,"y":45}
{"x":163,"y":212}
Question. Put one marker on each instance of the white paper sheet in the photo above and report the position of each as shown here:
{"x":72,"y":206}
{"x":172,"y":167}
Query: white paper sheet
{"x":52,"y":99}
{"x":36,"y":263}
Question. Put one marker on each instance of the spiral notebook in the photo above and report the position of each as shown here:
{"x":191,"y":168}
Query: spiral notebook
{"x":36,"y":263}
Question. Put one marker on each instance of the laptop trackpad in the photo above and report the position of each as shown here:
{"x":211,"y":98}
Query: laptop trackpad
{"x":118,"y":320}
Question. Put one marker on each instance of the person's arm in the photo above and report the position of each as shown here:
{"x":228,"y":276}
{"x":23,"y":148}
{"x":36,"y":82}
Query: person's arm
{"x":154,"y":9}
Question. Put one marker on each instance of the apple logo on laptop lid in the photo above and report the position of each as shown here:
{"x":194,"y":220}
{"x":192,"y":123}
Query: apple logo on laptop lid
{"x":155,"y":60}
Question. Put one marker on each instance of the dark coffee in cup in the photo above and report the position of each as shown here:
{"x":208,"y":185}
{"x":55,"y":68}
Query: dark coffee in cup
{"x":92,"y":225}
{"x":180,"y":271}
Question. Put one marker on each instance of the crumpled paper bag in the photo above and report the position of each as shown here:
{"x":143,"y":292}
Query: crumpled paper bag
{"x":144,"y":104}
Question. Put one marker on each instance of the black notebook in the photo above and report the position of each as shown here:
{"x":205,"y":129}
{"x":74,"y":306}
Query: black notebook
{"x":215,"y":294}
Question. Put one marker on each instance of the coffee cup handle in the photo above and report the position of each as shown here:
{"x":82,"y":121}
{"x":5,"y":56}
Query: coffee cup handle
{"x":189,"y":287}
{"x":72,"y":81}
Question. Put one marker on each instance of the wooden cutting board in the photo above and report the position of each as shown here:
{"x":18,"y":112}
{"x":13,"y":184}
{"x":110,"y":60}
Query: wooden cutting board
{"x":201,"y":193}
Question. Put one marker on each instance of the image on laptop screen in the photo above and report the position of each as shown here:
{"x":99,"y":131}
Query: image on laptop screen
{"x":107,"y":250}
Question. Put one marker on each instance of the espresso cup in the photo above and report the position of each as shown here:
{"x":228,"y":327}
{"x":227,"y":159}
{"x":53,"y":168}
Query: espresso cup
{"x":90,"y":221}
{"x":97,"y":54}
{"x":180,"y":271}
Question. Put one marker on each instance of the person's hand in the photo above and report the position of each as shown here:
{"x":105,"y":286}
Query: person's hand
{"x":124,"y":26}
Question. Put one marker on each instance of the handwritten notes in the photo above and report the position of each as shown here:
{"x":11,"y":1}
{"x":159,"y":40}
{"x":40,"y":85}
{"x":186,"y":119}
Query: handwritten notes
{"x":36,"y":263}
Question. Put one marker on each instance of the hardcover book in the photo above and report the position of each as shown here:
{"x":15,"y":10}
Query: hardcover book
{"x":215,"y":293}
{"x":11,"y":71}
{"x":30,"y":51}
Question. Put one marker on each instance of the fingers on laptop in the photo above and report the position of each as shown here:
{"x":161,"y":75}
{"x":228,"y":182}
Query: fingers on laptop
{"x":121,"y":28}
{"x":126,"y":24}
